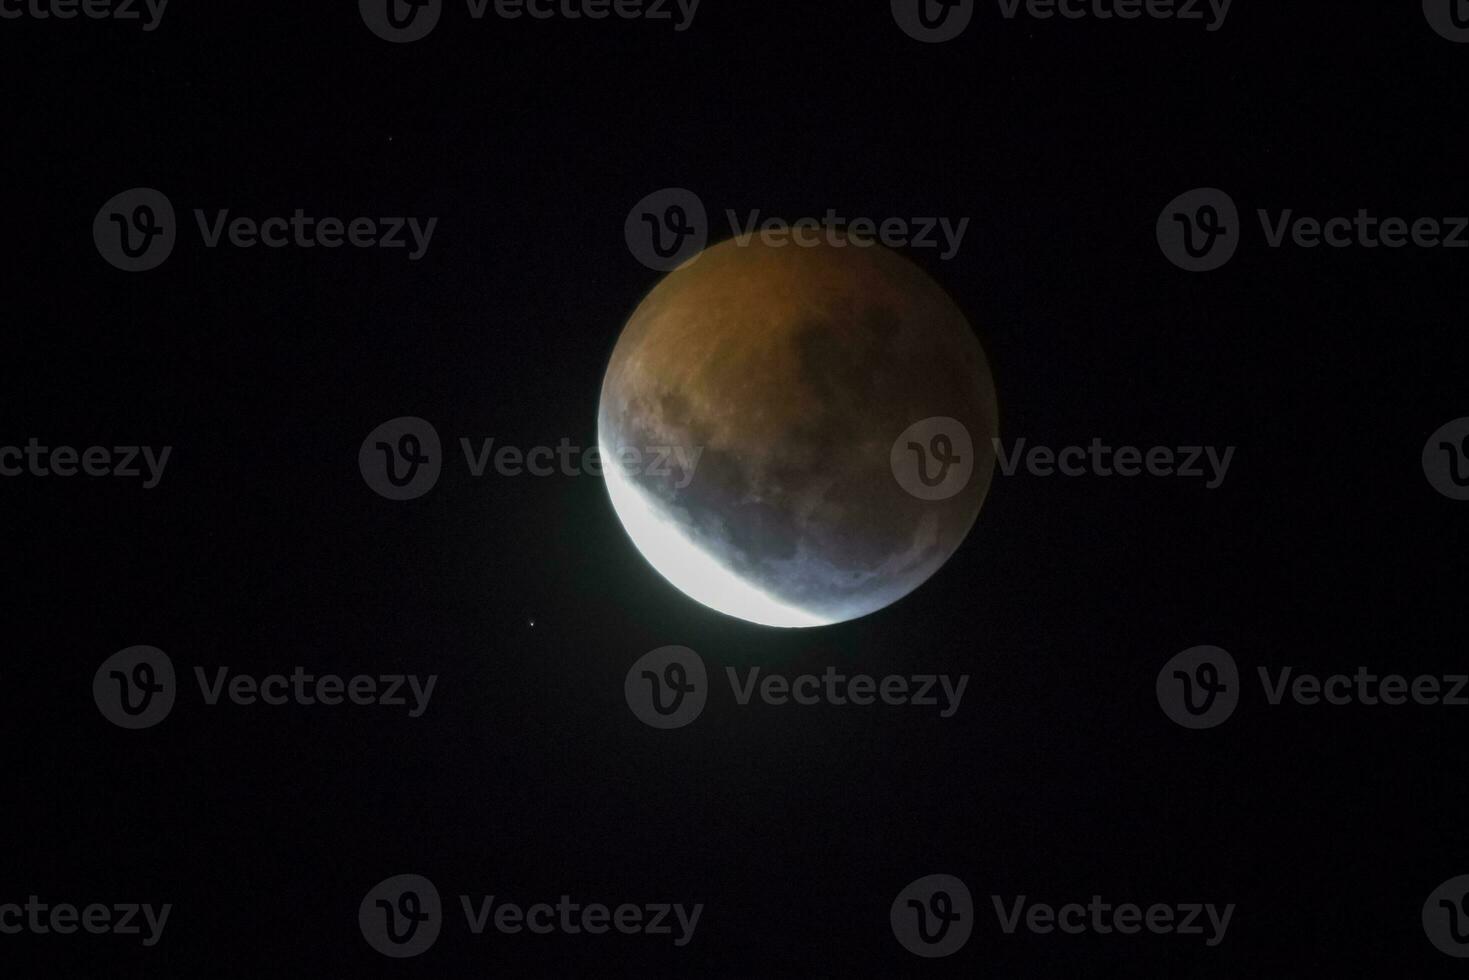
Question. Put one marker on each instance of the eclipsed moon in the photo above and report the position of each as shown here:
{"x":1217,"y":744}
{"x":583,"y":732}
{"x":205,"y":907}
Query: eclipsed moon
{"x":758,"y":399}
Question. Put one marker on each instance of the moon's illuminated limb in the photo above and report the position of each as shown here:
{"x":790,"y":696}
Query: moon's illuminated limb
{"x":681,"y":561}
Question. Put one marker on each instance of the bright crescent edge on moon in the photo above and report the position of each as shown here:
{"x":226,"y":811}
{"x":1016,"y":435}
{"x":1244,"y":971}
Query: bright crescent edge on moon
{"x":688,"y":567}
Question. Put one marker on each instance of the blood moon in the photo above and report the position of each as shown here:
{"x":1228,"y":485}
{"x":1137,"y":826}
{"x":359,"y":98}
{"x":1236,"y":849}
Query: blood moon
{"x":826,"y":416}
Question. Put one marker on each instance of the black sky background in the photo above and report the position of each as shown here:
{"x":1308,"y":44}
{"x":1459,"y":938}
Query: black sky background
{"x":528,"y":778}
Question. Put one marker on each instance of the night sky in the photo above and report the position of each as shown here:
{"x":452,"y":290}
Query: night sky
{"x":527,"y":777}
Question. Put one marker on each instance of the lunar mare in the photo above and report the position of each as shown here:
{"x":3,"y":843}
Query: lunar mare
{"x":786,"y":374}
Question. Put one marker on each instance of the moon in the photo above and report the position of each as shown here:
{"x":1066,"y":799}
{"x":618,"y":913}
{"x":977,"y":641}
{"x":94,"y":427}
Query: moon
{"x":797,"y":435}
